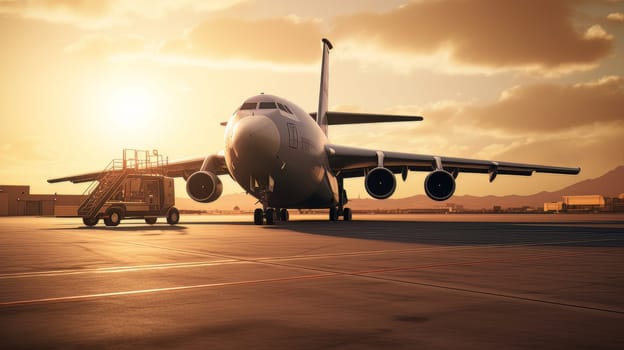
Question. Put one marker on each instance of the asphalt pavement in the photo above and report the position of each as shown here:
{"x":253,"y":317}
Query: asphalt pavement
{"x":396,"y":282}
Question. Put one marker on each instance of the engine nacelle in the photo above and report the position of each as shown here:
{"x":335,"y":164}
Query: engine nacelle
{"x":204,"y":186}
{"x":440,"y":185}
{"x":380,"y":183}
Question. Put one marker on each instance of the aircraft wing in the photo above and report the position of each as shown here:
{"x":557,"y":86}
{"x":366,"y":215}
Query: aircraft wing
{"x":182,"y":168}
{"x":354,"y":162}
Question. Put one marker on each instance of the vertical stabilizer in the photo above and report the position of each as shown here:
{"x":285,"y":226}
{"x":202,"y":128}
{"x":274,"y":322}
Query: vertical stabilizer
{"x":321,"y":115}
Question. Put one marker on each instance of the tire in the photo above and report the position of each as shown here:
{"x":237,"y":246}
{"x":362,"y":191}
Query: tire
{"x":151,"y":220}
{"x":333,"y":214}
{"x":113,"y":217}
{"x":270,"y":216}
{"x":173,"y":216}
{"x":258,"y":216}
{"x":284,"y":215}
{"x":90,"y":221}
{"x":347,"y":214}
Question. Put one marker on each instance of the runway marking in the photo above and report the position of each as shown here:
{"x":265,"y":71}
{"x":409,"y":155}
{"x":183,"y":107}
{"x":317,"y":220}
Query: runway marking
{"x":117,"y":269}
{"x":270,"y":260}
{"x":159,"y":290}
{"x":325,"y":273}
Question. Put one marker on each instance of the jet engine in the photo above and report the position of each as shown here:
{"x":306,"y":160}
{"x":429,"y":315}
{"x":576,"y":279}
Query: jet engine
{"x":440,"y":185}
{"x":204,"y":186}
{"x":380,"y":183}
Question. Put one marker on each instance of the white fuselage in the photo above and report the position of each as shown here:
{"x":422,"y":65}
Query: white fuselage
{"x":279,"y":152}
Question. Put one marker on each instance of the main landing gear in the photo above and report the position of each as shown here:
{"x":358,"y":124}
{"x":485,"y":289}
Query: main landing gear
{"x":271,"y":215}
{"x":336,"y":212}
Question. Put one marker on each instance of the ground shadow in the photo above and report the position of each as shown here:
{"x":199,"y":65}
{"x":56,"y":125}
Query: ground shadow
{"x":123,"y":228}
{"x":580,"y":234}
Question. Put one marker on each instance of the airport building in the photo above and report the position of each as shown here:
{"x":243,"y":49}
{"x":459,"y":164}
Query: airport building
{"x":18,"y":201}
{"x":588,"y":203}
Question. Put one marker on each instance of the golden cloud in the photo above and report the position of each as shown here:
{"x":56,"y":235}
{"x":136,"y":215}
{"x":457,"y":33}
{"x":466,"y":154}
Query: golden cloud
{"x":106,"y":46}
{"x":79,"y":12}
{"x":487,"y":33}
{"x":550,"y":107}
{"x":276,"y":40}
{"x":102,"y":13}
{"x":616,"y":17}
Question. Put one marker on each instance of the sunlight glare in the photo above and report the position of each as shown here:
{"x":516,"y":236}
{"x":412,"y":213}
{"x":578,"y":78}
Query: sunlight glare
{"x":131,"y":106}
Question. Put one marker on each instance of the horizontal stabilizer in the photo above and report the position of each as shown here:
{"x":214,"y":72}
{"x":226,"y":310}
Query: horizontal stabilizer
{"x":339,"y":118}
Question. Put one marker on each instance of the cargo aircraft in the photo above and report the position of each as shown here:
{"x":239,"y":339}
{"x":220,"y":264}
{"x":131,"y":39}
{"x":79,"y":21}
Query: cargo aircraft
{"x":281,"y":155}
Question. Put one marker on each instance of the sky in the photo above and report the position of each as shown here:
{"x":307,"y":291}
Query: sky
{"x":523,"y":81}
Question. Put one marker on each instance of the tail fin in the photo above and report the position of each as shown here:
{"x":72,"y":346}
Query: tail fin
{"x":321,"y":115}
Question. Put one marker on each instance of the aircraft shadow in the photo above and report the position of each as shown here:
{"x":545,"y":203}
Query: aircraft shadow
{"x":466,"y":233}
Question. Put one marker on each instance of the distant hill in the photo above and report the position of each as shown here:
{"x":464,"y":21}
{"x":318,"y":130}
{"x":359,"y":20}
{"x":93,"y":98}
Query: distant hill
{"x":610,"y":184}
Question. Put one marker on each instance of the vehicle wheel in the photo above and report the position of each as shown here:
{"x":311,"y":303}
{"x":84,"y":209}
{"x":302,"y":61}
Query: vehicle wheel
{"x":346,"y":214}
{"x":284,"y":216}
{"x":270,"y":216}
{"x":90,"y":221}
{"x":113,"y":217}
{"x":151,"y":221}
{"x":173,"y":216}
{"x":333,"y":214}
{"x":258,"y":216}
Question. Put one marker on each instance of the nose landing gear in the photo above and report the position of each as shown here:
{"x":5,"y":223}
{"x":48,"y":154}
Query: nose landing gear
{"x":270,"y":216}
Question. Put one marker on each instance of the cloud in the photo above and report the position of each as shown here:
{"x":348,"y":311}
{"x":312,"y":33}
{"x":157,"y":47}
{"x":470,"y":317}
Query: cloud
{"x":104,"y":13}
{"x":490,"y":34}
{"x":551,"y":108}
{"x":286,"y":40}
{"x":616,"y":17}
{"x":107,"y":46}
{"x":79,"y":12}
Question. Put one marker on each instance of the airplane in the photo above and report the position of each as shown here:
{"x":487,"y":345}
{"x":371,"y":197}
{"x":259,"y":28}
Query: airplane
{"x":281,"y":155}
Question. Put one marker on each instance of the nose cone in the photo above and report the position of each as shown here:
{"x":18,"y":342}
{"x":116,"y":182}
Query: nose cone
{"x":256,"y":139}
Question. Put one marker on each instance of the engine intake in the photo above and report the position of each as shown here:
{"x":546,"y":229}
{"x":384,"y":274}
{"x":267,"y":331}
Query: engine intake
{"x":204,"y":186}
{"x":440,"y":185}
{"x":380,"y":183}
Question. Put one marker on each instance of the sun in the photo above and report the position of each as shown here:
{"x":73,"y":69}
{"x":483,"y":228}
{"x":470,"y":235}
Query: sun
{"x":131,"y":106}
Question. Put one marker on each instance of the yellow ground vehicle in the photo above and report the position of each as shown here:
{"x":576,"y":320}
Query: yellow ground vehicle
{"x":134,"y":187}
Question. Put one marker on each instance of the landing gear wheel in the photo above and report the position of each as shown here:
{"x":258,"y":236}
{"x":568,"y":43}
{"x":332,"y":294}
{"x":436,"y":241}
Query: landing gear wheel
{"x":269,"y":214}
{"x":333,"y":214}
{"x":173,"y":216}
{"x":90,"y":221}
{"x":113,"y":217}
{"x":151,"y":221}
{"x":284,"y":216}
{"x":258,"y":216}
{"x":346,"y":214}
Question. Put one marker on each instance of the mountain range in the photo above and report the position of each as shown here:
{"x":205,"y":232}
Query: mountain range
{"x":610,"y":184}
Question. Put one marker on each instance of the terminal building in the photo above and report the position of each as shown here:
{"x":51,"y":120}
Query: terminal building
{"x":588,"y":203}
{"x":18,"y":201}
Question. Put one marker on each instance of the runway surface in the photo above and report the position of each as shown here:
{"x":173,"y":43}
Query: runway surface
{"x":405,"y":281}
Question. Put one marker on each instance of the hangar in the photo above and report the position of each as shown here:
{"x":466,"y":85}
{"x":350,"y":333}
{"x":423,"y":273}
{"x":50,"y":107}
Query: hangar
{"x":16,"y":200}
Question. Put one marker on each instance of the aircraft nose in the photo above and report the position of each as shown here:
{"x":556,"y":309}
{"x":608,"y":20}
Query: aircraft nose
{"x":256,"y":138}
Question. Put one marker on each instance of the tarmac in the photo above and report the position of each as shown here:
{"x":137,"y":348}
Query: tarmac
{"x":380,"y":281}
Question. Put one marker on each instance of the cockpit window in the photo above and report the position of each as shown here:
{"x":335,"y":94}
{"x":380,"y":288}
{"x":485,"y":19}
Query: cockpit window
{"x":284,"y":108}
{"x":288,"y":109}
{"x":267,"y":105}
{"x":249,"y":105}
